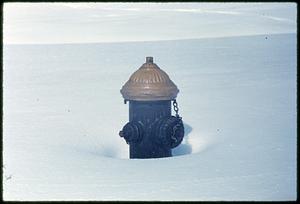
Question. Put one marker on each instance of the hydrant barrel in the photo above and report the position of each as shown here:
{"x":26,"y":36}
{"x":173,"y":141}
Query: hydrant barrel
{"x":151,"y":131}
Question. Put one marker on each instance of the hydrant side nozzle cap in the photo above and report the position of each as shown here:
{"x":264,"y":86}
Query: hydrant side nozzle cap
{"x":149,"y":83}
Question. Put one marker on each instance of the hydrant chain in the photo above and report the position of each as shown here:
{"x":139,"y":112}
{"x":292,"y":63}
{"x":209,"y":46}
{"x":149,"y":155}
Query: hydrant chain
{"x":175,"y":107}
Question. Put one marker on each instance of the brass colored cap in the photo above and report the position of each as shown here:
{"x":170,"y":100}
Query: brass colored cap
{"x":149,"y":83}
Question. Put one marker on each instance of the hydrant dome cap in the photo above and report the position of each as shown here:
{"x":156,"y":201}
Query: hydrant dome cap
{"x":149,"y":83}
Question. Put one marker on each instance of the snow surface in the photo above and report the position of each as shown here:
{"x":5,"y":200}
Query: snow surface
{"x":63,"y":111}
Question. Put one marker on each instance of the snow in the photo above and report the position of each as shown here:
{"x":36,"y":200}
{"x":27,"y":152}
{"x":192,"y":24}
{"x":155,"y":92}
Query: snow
{"x":63,"y":111}
{"x":33,"y":23}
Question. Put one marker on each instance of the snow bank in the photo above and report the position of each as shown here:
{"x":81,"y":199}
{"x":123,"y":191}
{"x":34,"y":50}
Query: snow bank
{"x":63,"y":112}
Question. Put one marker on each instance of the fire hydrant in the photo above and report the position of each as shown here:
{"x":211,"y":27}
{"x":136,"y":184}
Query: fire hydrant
{"x":151,"y":131}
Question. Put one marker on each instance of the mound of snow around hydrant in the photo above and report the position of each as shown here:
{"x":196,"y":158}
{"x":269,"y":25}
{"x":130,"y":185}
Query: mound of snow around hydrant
{"x":63,"y":111}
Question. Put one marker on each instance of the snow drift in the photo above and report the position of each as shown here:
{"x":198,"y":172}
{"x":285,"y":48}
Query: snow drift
{"x":63,"y":111}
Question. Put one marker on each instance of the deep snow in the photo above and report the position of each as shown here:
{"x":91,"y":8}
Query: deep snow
{"x":63,"y":111}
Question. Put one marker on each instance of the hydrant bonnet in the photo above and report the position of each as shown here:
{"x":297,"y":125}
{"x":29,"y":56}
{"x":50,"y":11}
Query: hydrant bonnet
{"x":149,"y":83}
